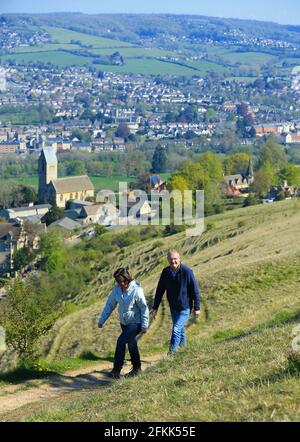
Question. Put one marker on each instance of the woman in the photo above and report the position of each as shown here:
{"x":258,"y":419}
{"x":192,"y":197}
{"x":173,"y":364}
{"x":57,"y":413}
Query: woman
{"x":134,"y":319}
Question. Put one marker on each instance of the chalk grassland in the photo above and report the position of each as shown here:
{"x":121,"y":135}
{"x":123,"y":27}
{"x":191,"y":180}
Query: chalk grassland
{"x":238,"y":365}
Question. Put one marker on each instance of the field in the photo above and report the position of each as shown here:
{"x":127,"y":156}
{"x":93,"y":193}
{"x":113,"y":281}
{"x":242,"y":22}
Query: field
{"x":99,"y":182}
{"x":239,"y":365}
{"x":58,"y":58}
{"x":65,"y":36}
{"x":138,"y":59}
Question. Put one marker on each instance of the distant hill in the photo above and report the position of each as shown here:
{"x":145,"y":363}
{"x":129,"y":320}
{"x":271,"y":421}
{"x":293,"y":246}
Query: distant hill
{"x":150,"y":44}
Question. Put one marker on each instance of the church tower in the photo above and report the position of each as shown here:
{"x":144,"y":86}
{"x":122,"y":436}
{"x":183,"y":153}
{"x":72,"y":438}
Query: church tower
{"x":250,"y":173}
{"x":47,"y":172}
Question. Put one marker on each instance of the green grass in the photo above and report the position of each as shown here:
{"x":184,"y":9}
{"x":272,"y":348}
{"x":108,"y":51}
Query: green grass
{"x":135,"y":52}
{"x":57,"y":58}
{"x":239,"y":365}
{"x":100,"y":182}
{"x":149,"y":67}
{"x":46,"y":48}
{"x":65,"y":36}
{"x":253,"y":379}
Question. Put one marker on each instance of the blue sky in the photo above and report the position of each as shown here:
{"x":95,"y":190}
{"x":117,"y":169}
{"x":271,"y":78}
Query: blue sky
{"x":280,"y":11}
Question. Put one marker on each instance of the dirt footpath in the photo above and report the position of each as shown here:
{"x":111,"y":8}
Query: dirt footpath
{"x":15,"y":396}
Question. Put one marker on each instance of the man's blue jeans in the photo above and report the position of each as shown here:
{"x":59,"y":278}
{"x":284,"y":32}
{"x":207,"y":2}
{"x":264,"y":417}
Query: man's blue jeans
{"x":128,"y":336}
{"x":178,"y":337}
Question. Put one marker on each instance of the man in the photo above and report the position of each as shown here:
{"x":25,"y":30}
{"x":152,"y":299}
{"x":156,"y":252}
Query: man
{"x":134,"y":319}
{"x":183,"y":296}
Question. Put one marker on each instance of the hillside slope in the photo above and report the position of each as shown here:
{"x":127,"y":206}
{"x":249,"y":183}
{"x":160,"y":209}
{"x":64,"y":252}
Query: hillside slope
{"x":239,"y":364}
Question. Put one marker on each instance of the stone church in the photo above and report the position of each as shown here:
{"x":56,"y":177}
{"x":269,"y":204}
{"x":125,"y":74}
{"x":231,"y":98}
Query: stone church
{"x":58,"y":191}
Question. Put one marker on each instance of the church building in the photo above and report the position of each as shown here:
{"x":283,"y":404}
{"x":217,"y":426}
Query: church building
{"x":53,"y":190}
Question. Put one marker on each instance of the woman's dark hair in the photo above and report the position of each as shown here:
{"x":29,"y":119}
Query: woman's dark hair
{"x":123,"y":274}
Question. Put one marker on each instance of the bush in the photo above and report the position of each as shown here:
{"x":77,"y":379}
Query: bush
{"x":26,"y":316}
{"x":126,"y":239}
{"x":294,"y":363}
{"x":172,"y":229}
{"x":251,"y":200}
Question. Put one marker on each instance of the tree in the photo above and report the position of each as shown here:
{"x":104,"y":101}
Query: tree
{"x":159,"y":160}
{"x":99,"y":230}
{"x":54,"y":214}
{"x":123,"y":131}
{"x":143,"y":182}
{"x":29,"y":194}
{"x":242,"y":109}
{"x":76,"y":168}
{"x":51,"y":251}
{"x":272,"y":152}
{"x":22,"y":258}
{"x":236,"y":163}
{"x":291,"y":174}
{"x":264,"y":178}
{"x":177,"y":182}
{"x":27,"y":315}
{"x":210,"y":115}
{"x":251,"y":200}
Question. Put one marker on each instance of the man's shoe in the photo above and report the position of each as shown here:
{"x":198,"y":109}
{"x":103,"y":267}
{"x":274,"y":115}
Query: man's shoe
{"x":114,"y":374}
{"x":134,"y":372}
{"x":171,"y":354}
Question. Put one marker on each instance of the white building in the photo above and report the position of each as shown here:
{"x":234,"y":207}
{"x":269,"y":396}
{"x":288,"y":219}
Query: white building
{"x":2,"y":80}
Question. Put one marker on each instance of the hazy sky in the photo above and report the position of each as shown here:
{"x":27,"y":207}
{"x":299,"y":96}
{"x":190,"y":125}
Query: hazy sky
{"x":280,"y":11}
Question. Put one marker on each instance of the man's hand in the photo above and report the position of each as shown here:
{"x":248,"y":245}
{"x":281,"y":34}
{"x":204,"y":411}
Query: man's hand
{"x":153,"y":313}
{"x":196,"y":313}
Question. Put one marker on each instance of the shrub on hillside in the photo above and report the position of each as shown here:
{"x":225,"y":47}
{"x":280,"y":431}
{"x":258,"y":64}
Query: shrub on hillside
{"x":251,"y":200}
{"x":26,"y":315}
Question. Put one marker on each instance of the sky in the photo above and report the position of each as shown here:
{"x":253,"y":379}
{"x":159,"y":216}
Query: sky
{"x":279,"y":11}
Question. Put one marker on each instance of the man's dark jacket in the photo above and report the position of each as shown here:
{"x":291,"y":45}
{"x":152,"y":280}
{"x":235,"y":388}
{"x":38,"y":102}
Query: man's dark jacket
{"x":182,"y":290}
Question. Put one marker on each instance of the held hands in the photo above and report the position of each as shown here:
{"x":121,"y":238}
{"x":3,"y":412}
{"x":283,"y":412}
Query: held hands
{"x":153,"y":313}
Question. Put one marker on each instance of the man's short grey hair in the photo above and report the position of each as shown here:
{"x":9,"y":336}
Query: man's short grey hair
{"x":171,"y":251}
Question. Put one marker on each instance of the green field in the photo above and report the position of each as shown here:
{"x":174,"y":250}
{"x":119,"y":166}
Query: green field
{"x":65,"y":36}
{"x":58,"y":58}
{"x":46,"y":48}
{"x":135,"y":52}
{"x":99,"y":182}
{"x":139,"y":60}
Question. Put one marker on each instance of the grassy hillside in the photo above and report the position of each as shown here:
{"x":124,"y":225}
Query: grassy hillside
{"x":139,"y":58}
{"x":239,"y":364}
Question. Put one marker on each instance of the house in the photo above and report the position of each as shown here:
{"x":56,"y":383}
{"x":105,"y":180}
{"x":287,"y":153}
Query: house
{"x":266,"y":129}
{"x":26,"y":212}
{"x":66,"y":224}
{"x":238,"y":184}
{"x":15,"y":236}
{"x":291,"y":138}
{"x":58,"y":191}
{"x":157,"y":184}
{"x":78,"y":204}
{"x":91,"y":214}
{"x":9,"y":147}
{"x":144,"y":209}
{"x":288,"y":191}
